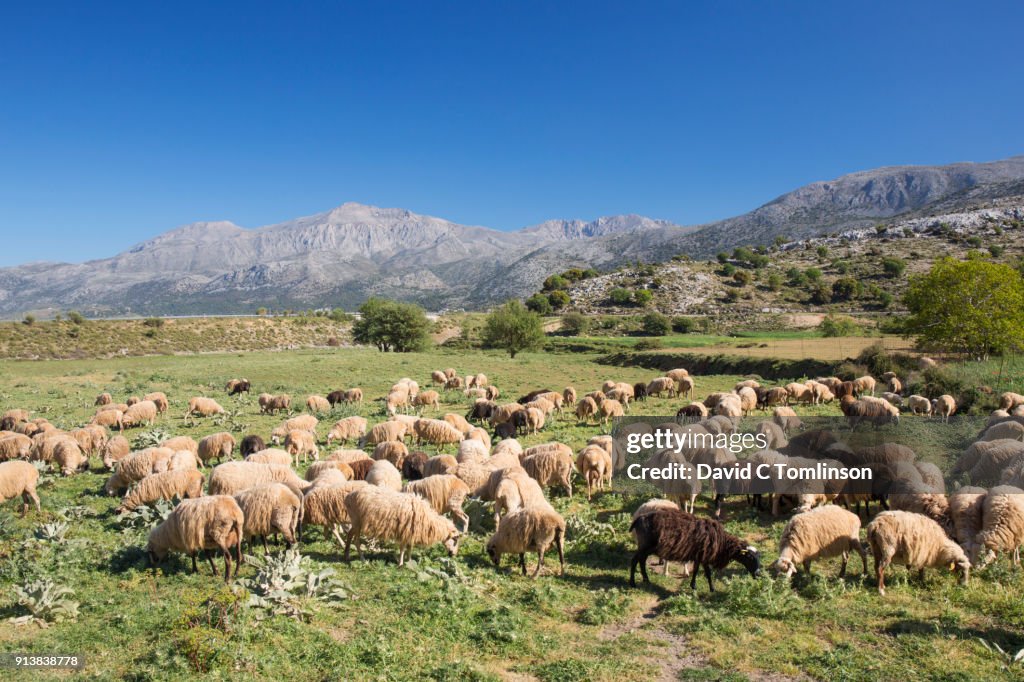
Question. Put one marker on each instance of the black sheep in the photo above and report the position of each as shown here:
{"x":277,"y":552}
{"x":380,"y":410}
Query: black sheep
{"x":335,"y":397}
{"x":481,"y":411}
{"x":239,"y":387}
{"x":251,"y":444}
{"x":529,"y":397}
{"x":689,"y":413}
{"x":7,"y":424}
{"x":675,"y":535}
{"x":412,"y":466}
{"x":639,"y":391}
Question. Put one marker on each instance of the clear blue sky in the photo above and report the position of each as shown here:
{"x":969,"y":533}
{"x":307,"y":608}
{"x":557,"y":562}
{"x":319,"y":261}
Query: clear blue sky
{"x":122,"y":121}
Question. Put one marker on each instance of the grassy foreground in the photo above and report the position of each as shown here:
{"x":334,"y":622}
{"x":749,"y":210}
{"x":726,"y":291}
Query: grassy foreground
{"x":460,"y":620}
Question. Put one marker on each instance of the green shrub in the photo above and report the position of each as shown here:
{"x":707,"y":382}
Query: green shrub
{"x":683,"y":325}
{"x":834,"y":325}
{"x":575,"y":324}
{"x":153,"y":322}
{"x":656,"y":324}
{"x":558,"y":299}
{"x":642,"y":297}
{"x":539,"y":304}
{"x":620,"y":296}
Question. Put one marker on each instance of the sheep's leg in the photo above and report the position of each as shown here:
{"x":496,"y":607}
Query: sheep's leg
{"x":693,"y":578}
{"x":807,"y":566}
{"x":195,"y":569}
{"x":540,"y":562}
{"x":920,"y":576}
{"x":560,"y":544}
{"x":209,"y":558}
{"x":266,"y":549}
{"x":719,"y":501}
{"x":842,"y":567}
{"x":522,"y":562}
{"x":880,"y":566}
{"x":226,"y":551}
{"x":707,"y":574}
{"x":463,"y":517}
{"x":401,"y":556}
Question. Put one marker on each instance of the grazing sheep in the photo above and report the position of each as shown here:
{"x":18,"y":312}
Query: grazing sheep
{"x":775,"y":437}
{"x":251,"y":444}
{"x":270,"y":508}
{"x":610,"y":409}
{"x":385,"y":431}
{"x":203,"y":407}
{"x":821,"y":533}
{"x":914,"y":540}
{"x":237,"y":386}
{"x":595,"y":466}
{"x":90,"y":438}
{"x":396,"y":517}
{"x":392,"y":452}
{"x":1002,"y":522}
{"x":437,"y":432}
{"x":799,"y":393}
{"x":748,"y":399}
{"x":440,"y":464}
{"x":914,"y":496}
{"x":317,"y":403}
{"x":383,"y":474}
{"x":318,"y":469}
{"x":233,"y":477}
{"x":182,"y":483}
{"x":944,"y":406}
{"x":458,"y":421}
{"x":412,"y":466}
{"x":181,"y":460}
{"x":428,"y":399}
{"x":116,"y":449}
{"x":347,"y":429}
{"x":729,"y":406}
{"x":15,"y":446}
{"x":102,"y":399}
{"x":213,"y":522}
{"x":864,"y":384}
{"x":360,"y":468}
{"x":323,"y":505}
{"x":219,"y":446}
{"x":586,"y":409}
{"x":271,"y":404}
{"x":550,"y":467}
{"x":965,"y":511}
{"x":504,"y":413}
{"x":453,"y":383}
{"x":512,"y":489}
{"x":661,"y":385}
{"x":19,"y":478}
{"x":109,"y":419}
{"x":438,"y":377}
{"x":1009,"y":400}
{"x":918,"y":404}
{"x":348,"y":456}
{"x":895,"y":385}
{"x":1004,"y":430}
{"x":985,"y":461}
{"x":877,"y":413}
{"x":444,"y":494}
{"x":136,"y":467}
{"x":482,"y":410}
{"x":893,"y":399}
{"x":569,"y":396}
{"x":271,"y":456}
{"x":527,"y":530}
{"x":675,"y":535}
{"x":692,"y":411}
{"x":299,"y":443}
{"x":472,"y":450}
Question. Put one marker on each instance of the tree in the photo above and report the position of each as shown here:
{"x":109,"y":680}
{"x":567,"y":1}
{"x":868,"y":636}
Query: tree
{"x":742,"y":277}
{"x":812,"y":274}
{"x":513,"y":328}
{"x":575,"y":324}
{"x":845,"y":288}
{"x":775,"y":281}
{"x":973,"y":307}
{"x":683,"y":325}
{"x":643,"y":297}
{"x":893,"y":267}
{"x":555,"y":282}
{"x":620,"y":296}
{"x":76,"y":317}
{"x":558,"y":299}
{"x":656,"y":324}
{"x":29,"y":319}
{"x":722,"y":256}
{"x":539,"y":304}
{"x":392,"y":326}
{"x":821,"y":293}
{"x":833,"y":326}
{"x":339,"y":315}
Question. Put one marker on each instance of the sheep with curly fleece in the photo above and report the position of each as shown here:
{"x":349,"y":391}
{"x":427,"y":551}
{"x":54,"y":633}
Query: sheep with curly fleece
{"x":110,"y":419}
{"x":569,"y":396}
{"x":392,"y":452}
{"x":318,"y":469}
{"x":270,"y":456}
{"x":472,"y":450}
{"x":675,"y":535}
{"x":15,"y":446}
{"x":428,"y":399}
{"x":915,"y":541}
{"x":404,"y":519}
{"x":445,"y":494}
{"x":440,"y":464}
{"x":774,"y":437}
{"x":864,"y":384}
{"x":748,"y":399}
{"x":135,"y":467}
{"x":237,"y":386}
{"x":510,"y":445}
{"x":476,"y":476}
{"x":530,"y":529}
{"x":383,"y":474}
{"x":250,"y":445}
{"x":1010,"y":400}
{"x":549,"y":468}
{"x":19,"y":478}
{"x":213,"y":522}
{"x":103,"y":399}
{"x":436,"y":432}
{"x":785,"y":417}
{"x":438,"y":377}
{"x":1008,"y":430}
{"x":317,"y":403}
{"x":181,"y":443}
{"x":965,"y":510}
{"x":985,"y":461}
{"x":918,"y":404}
{"x":820,"y":533}
{"x":233,"y":477}
{"x":116,"y":449}
{"x":181,"y":460}
{"x":323,"y":505}
{"x":864,"y":411}
{"x":1002,"y":522}
{"x":396,"y":400}
{"x":270,"y":508}
{"x":412,"y":466}
{"x":610,"y":409}
{"x":219,"y":446}
{"x":458,"y":421}
{"x":182,"y":483}
{"x":385,"y":431}
{"x":299,"y":443}
{"x":660,"y":385}
{"x":504,"y":413}
{"x":586,"y":410}
{"x":347,"y":429}
{"x":914,"y":496}
{"x":91,"y":438}
{"x":271,"y":404}
{"x":348,"y":456}
{"x":595,"y":466}
{"x":729,"y":406}
{"x":944,"y":406}
{"x":513,"y":489}
{"x":479,"y":434}
{"x":203,"y":407}
{"x":544,"y":405}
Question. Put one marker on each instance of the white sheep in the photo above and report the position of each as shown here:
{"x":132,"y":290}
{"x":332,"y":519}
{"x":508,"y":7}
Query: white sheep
{"x":19,"y":478}
{"x":213,"y":522}
{"x":390,"y":516}
{"x":821,"y":533}
{"x":1002,"y":522}
{"x":530,"y":529}
{"x":270,"y":508}
{"x":914,"y":540}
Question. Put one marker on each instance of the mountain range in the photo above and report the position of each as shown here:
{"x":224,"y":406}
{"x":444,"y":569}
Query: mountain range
{"x":340,"y":257}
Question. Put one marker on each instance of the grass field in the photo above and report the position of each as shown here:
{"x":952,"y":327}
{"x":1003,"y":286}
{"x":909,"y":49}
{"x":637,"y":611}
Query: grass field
{"x":461,"y":619}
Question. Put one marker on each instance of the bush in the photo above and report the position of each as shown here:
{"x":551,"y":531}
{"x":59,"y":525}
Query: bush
{"x":893,"y":267}
{"x":728,"y":270}
{"x":833,"y":326}
{"x":339,"y":315}
{"x":575,"y":324}
{"x":996,"y":250}
{"x":392,"y":326}
{"x":742,"y":278}
{"x":775,"y":281}
{"x":29,"y":320}
{"x":643,"y":297}
{"x":620,"y":296}
{"x":555,"y":282}
{"x":821,"y":294}
{"x":558,"y":299}
{"x":153,"y":322}
{"x":845,"y":289}
{"x":656,"y":324}
{"x":539,"y":304}
{"x":649,"y":344}
{"x":812,"y":274}
{"x":683,"y":325}
{"x":513,"y":328}
{"x":76,"y":317}
{"x":732,"y":295}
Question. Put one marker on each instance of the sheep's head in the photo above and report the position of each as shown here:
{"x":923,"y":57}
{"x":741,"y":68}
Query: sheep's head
{"x":451,"y":543}
{"x":783,"y":565}
{"x":751,"y":560}
{"x":493,"y":552}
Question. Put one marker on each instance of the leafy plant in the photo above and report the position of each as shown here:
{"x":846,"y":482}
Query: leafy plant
{"x":608,"y":605}
{"x":53,"y":532}
{"x":282,"y":579}
{"x":145,"y":517}
{"x":46,"y":601}
{"x":150,"y":439}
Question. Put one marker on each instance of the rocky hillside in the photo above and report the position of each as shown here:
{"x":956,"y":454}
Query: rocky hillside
{"x":340,"y":257}
{"x":873,"y":265}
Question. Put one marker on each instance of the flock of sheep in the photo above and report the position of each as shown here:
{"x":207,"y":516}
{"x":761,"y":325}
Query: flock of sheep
{"x":375,"y":488}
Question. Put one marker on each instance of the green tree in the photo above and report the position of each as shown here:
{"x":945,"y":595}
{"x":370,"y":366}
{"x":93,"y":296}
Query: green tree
{"x":339,"y":315}
{"x":513,"y":328}
{"x":812,"y":274}
{"x":558,"y":299}
{"x":643,"y":297}
{"x":656,"y":324}
{"x":722,"y":256}
{"x":683,"y":325}
{"x":76,"y":317}
{"x":620,"y":296}
{"x":392,"y":326}
{"x":973,"y":307}
{"x":775,"y":281}
{"x":590,"y":273}
{"x":728,"y":269}
{"x":821,"y":293}
{"x":845,"y":289}
{"x":573,"y":274}
{"x":742,"y":277}
{"x":555,"y":282}
{"x":822,"y":252}
{"x":996,"y":250}
{"x":29,"y":319}
{"x":833,"y":326}
{"x":575,"y":324}
{"x":539,"y":304}
{"x":893,"y":267}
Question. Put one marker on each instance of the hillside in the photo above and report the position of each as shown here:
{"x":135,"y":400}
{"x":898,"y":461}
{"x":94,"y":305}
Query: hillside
{"x":342,"y":256}
{"x":783,"y":280}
